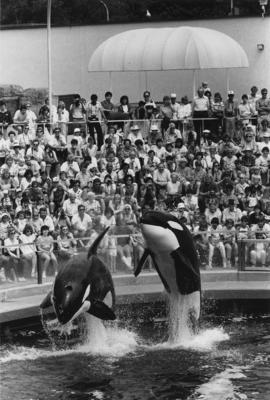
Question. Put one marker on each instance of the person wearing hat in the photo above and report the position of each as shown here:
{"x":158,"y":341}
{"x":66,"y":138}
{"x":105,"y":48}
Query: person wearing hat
{"x":265,"y":141}
{"x":230,"y":113}
{"x":176,"y":108}
{"x":172,"y":133}
{"x":134,"y":134}
{"x":154,"y":134}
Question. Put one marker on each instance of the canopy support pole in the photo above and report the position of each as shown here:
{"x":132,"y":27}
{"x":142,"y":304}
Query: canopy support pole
{"x":194,"y":82}
{"x":227,"y":79}
{"x":110,"y":81}
{"x":145,"y":80}
{"x":49,"y":58}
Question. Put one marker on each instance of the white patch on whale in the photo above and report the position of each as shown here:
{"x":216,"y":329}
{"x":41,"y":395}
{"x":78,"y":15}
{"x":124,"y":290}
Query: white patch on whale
{"x":108,"y":300}
{"x":86,"y":294}
{"x":175,"y":225}
{"x":84,"y":308}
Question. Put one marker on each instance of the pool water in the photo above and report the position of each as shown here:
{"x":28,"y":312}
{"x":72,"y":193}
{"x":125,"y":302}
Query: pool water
{"x":226,"y":360}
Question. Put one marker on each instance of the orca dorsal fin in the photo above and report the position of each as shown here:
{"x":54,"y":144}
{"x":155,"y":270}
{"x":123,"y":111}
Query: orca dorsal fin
{"x":94,"y":246}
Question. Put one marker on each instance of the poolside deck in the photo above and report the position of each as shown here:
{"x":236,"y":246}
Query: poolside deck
{"x":23,"y":301}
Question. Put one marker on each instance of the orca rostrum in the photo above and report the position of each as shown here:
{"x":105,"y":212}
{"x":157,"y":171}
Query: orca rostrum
{"x":83,"y":284}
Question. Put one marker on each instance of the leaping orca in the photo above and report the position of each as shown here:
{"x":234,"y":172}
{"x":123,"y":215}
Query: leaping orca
{"x":171,"y":247}
{"x":84,"y":284}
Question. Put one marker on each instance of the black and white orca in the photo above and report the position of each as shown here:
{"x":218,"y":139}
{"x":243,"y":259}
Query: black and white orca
{"x":170,"y":245}
{"x":84,"y":284}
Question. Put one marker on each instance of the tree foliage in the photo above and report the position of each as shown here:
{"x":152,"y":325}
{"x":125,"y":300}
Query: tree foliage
{"x":76,"y":12}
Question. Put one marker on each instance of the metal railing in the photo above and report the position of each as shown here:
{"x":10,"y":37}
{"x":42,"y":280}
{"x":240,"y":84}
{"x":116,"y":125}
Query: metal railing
{"x":251,"y":254}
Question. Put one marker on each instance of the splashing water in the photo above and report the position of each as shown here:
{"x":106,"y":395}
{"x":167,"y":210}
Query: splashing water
{"x":220,"y":386}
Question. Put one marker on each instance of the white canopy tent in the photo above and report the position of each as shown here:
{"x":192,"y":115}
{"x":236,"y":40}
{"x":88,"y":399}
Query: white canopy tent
{"x":163,"y":49}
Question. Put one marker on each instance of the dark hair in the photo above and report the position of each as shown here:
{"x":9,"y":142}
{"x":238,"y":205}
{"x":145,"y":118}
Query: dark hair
{"x":74,"y":141}
{"x":245,"y":96}
{"x":94,"y":97}
{"x":44,"y":228}
{"x":124,"y":97}
{"x":214,"y":220}
{"x":23,"y":107}
{"x":28,"y":228}
{"x":108,"y":94}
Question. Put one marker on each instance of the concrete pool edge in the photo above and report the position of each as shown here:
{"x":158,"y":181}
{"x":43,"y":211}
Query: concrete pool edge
{"x":23,"y":302}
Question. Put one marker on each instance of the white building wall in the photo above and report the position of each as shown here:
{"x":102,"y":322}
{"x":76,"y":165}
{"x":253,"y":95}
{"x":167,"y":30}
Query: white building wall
{"x":23,"y":60}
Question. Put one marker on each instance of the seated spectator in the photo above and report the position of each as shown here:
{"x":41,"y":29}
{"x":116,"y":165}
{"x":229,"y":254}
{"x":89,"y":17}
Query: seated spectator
{"x":135,"y":134}
{"x":259,"y":253}
{"x":28,"y":249}
{"x":231,"y":213}
{"x":45,"y":247}
{"x":81,"y":223}
{"x":14,"y":267}
{"x":66,"y":243}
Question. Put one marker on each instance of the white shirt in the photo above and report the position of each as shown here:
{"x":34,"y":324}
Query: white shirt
{"x":84,"y":223}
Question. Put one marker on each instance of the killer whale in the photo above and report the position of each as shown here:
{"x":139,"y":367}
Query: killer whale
{"x":83,"y":284}
{"x":170,"y":245}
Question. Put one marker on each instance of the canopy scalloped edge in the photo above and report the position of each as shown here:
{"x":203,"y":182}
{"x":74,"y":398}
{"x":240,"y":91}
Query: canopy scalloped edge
{"x":163,"y":49}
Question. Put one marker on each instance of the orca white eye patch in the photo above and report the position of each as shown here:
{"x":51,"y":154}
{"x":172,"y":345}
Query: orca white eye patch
{"x":175,"y":225}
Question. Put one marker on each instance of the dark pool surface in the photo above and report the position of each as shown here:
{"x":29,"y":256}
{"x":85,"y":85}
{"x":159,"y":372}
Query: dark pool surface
{"x":211,"y":367}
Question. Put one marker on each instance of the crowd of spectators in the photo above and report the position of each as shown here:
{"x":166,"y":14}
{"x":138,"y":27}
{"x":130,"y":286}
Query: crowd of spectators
{"x":67,"y":174}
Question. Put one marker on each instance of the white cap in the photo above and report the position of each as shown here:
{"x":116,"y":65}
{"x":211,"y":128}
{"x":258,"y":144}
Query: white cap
{"x":154,"y":128}
{"x":77,"y":130}
{"x":135,"y":128}
{"x":230,"y":92}
{"x":181,"y":206}
{"x":173,"y":95}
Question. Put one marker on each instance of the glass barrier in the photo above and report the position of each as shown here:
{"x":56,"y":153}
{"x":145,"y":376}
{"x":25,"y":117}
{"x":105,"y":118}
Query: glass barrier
{"x":121,"y":254}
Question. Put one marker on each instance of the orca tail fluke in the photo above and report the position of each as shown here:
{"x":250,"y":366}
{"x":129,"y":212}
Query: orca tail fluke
{"x":100,"y":310}
{"x":141,"y":262}
{"x":47,"y":301}
{"x":93,"y":248}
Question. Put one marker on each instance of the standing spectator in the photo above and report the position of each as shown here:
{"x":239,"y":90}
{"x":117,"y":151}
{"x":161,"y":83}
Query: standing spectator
{"x":166,"y":113}
{"x":5,"y":119}
{"x":107,"y":104}
{"x":77,"y":111}
{"x":45,"y":246}
{"x":263,"y":106}
{"x":200,"y":109}
{"x":230,"y":113}
{"x":94,"y":115}
{"x":62,"y":118}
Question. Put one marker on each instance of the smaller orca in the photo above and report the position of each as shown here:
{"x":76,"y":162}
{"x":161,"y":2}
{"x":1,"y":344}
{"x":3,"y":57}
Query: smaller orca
{"x":84,"y":284}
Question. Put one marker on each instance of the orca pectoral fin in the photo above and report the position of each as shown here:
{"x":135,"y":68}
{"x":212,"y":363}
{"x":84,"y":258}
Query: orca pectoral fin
{"x":187,"y":276}
{"x":101,"y":310}
{"x":47,"y":301}
{"x":141,"y":262}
